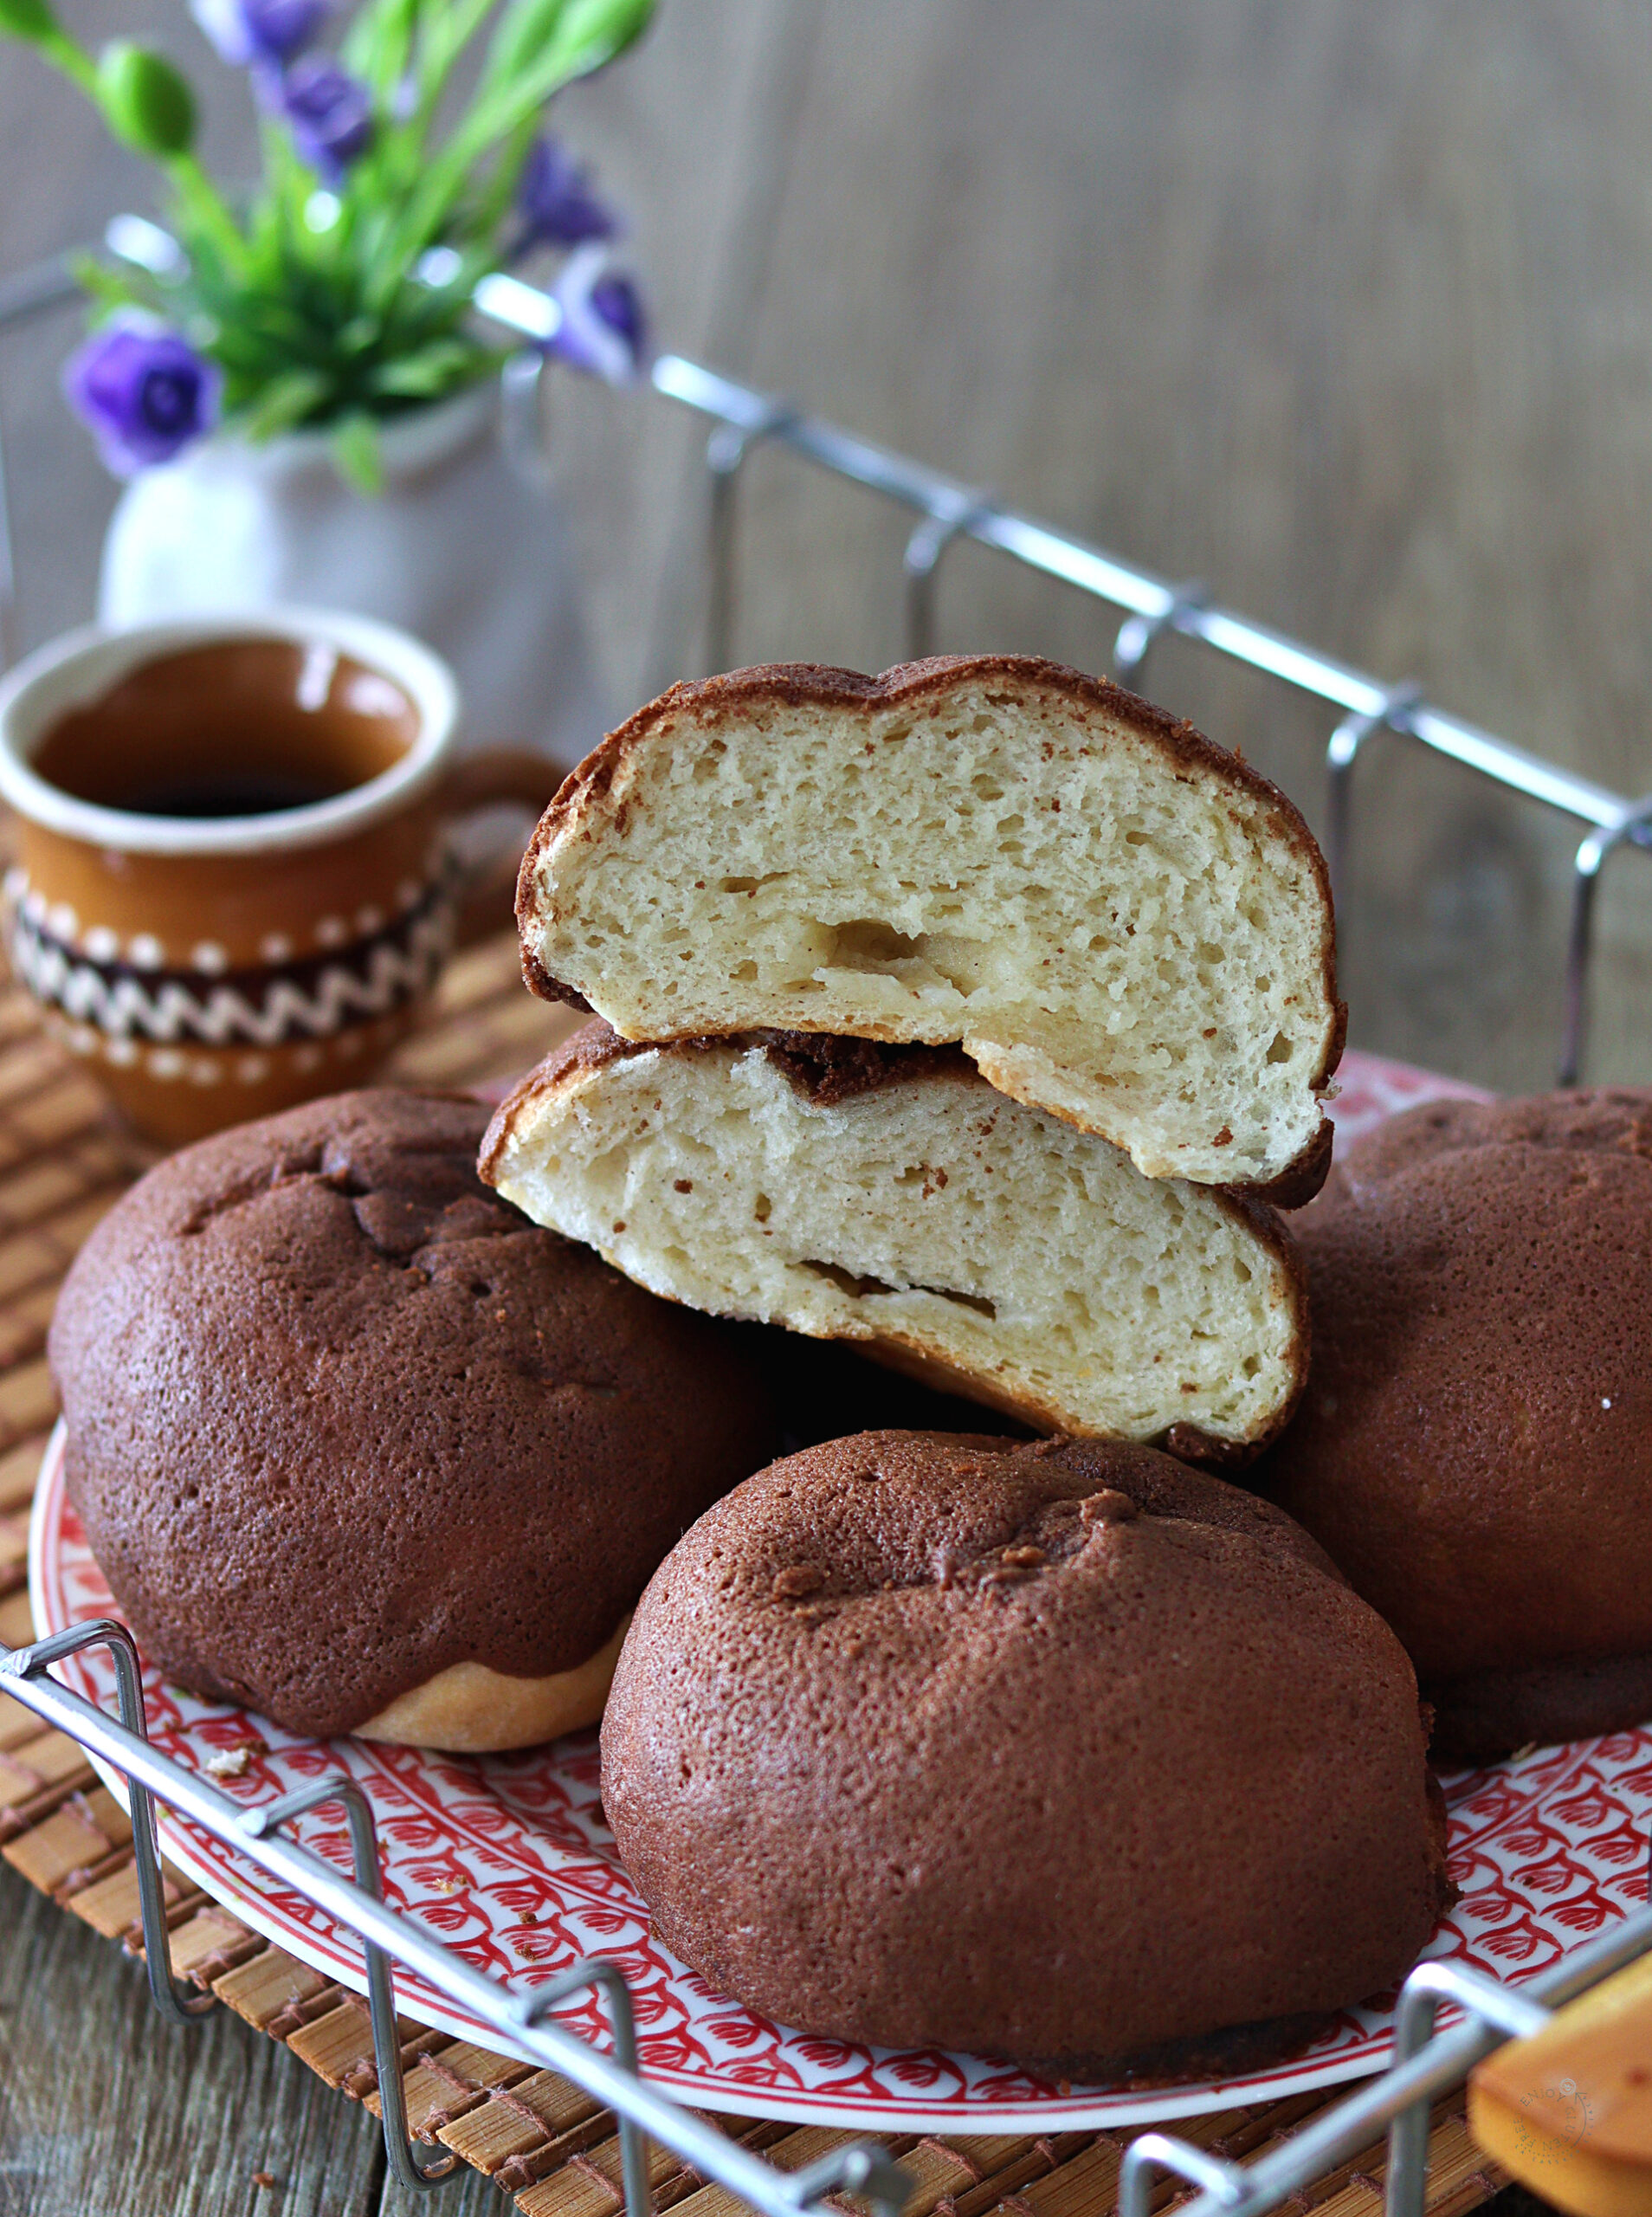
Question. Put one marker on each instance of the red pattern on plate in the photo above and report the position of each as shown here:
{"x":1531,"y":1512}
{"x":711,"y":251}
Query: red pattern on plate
{"x":507,"y":1859}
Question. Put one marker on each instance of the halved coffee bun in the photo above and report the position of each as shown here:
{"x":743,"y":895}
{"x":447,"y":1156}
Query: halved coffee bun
{"x":891,"y":1197}
{"x":1118,"y":921}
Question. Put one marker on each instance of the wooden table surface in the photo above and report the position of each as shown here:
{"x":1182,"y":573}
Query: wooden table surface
{"x":1342,"y":306}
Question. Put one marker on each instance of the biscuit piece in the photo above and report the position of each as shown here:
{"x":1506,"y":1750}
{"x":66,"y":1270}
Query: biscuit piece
{"x":358,"y":1446}
{"x":1121,"y":923}
{"x":892,"y":1196}
{"x":1475,"y":1445}
{"x":1059,"y":1752}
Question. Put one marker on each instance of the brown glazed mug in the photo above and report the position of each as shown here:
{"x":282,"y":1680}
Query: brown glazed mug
{"x":235,"y":878}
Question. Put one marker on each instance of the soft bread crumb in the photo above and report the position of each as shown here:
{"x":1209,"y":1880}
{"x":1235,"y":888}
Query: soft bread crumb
{"x":1118,"y":922}
{"x":936,"y":1219}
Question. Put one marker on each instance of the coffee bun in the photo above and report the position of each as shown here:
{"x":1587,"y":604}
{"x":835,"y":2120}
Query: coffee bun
{"x":1475,"y":1443}
{"x":1057,"y":1751}
{"x":359,"y":1447}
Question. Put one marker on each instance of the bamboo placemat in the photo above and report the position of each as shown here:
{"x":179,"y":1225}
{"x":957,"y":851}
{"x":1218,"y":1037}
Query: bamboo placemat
{"x":61,"y":1166}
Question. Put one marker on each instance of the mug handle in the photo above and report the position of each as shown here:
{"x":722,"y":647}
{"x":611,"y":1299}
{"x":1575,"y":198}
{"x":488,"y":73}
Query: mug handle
{"x":485,"y":780}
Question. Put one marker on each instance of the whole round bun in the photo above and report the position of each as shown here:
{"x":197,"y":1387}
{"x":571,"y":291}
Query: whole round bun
{"x":1474,"y":1444}
{"x":359,"y":1447}
{"x":1057,"y":1750}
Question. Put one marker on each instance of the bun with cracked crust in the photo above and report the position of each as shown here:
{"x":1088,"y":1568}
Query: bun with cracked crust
{"x":1474,"y":1444}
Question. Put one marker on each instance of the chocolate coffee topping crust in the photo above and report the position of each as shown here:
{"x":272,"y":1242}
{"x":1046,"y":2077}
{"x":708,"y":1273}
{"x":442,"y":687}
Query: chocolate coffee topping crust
{"x":339,"y":1417}
{"x":1474,"y":1442}
{"x":1057,"y":1751}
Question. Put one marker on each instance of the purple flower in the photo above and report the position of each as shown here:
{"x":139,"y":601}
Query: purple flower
{"x":249,"y":31}
{"x":555,"y":203}
{"x":144,"y":393}
{"x":330,"y":112}
{"x":603,"y":329}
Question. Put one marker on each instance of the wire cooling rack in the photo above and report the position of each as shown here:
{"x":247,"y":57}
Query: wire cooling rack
{"x":1397,"y":2101}
{"x":1427,"y":2065}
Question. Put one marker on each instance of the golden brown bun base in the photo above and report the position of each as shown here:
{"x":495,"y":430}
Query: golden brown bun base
{"x":469,"y":1709}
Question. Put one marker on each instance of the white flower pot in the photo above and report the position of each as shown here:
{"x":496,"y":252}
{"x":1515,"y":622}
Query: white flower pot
{"x":459,"y":548}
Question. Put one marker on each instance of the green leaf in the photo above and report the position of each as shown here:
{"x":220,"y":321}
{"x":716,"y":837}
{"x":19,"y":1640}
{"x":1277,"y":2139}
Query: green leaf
{"x":522,"y":31}
{"x":593,"y":32}
{"x":379,"y":41}
{"x":430,"y":372}
{"x":205,"y":227}
{"x":34,"y":21}
{"x":146,"y":102}
{"x":569,"y":37}
{"x":359,"y":334}
{"x":355,"y":451}
{"x":450,"y":32}
{"x":30,"y":19}
{"x":585,"y":34}
{"x":500,"y":189}
{"x":285,"y":402}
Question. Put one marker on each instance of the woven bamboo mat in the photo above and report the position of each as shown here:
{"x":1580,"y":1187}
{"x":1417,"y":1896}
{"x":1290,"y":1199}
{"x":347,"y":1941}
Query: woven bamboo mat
{"x":62,"y":1165}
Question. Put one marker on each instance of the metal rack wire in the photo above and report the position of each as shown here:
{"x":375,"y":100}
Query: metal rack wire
{"x":1427,"y":2065}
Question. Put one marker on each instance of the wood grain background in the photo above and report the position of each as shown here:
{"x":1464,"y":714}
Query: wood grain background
{"x":1342,"y":306}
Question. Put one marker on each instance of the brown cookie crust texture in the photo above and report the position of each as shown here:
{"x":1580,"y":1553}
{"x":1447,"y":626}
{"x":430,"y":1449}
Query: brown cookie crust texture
{"x":1474,"y":1444}
{"x":340,"y":1417}
{"x":1056,"y":1751}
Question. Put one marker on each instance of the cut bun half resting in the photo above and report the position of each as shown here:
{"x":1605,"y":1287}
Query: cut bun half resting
{"x":1118,"y":921}
{"x":891,"y":1197}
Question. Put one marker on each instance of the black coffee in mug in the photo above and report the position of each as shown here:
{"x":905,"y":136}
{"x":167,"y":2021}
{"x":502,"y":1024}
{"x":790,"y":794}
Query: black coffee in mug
{"x":241,"y":728}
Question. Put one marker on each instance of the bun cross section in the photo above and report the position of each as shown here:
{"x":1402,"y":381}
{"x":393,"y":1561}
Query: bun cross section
{"x":1119,"y":923}
{"x":890,"y":1197}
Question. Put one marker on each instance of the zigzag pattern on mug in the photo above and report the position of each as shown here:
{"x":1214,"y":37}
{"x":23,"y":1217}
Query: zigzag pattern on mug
{"x":358,"y":983}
